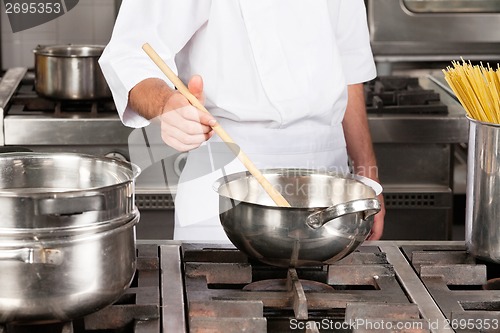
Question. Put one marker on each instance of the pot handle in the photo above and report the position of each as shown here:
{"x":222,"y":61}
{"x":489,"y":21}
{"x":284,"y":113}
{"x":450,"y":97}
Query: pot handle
{"x":33,"y":256}
{"x":70,"y":206}
{"x":368,"y":207}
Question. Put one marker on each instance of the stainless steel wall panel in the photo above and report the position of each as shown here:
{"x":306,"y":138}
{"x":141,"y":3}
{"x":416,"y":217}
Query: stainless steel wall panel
{"x":419,"y":28}
{"x":409,"y":163}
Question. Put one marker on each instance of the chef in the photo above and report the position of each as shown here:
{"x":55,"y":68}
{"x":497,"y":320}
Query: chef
{"x":284,"y":78}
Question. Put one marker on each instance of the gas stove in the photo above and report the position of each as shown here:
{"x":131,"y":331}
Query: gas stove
{"x":390,"y":286}
{"x":28,"y":119}
{"x":26,"y":101}
{"x":384,"y":286}
{"x":466,"y":290}
{"x":226,"y":289}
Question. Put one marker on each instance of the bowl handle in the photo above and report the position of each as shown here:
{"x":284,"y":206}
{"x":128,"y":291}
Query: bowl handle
{"x":368,"y":207}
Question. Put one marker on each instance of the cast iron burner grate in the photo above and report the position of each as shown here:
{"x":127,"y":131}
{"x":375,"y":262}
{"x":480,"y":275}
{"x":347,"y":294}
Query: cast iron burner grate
{"x":137,"y":311}
{"x":401,"y":95}
{"x":362,"y":285}
{"x":26,"y":101}
{"x":458,"y":283}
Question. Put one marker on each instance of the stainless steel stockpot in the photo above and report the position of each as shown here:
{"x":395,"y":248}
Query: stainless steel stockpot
{"x":70,"y":72}
{"x":51,"y":275}
{"x":57,"y":190}
{"x":331,"y":215}
{"x":67,"y":234}
{"x":482,"y":219}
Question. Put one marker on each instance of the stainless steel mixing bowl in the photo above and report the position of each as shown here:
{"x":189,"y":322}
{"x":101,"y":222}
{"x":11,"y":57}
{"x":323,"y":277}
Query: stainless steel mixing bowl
{"x":331,"y":215}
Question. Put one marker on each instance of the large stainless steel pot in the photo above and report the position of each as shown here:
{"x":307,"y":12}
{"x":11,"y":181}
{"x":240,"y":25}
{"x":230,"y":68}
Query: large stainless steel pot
{"x":482,"y":219}
{"x":47,"y":190}
{"x":59,"y":275}
{"x":67,"y":236}
{"x":70,"y":72}
{"x":331,"y":215}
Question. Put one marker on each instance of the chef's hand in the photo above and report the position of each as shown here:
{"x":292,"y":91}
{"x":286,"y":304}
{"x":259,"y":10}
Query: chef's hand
{"x":378,"y":223}
{"x":184,"y":127}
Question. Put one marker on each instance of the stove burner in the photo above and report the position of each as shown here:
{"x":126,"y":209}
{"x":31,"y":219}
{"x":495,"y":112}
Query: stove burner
{"x":26,"y":101}
{"x":294,"y":285}
{"x":458,"y":284}
{"x":224,"y":288}
{"x":35,"y":105}
{"x":395,"y":94}
{"x":282,"y":285}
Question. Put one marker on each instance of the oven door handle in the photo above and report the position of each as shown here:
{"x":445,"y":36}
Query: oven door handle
{"x":451,"y":6}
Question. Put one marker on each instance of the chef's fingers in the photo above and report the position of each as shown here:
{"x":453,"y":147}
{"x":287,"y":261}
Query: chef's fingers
{"x":180,"y":104}
{"x":195,"y":86}
{"x":183,"y":142}
{"x":194,"y":120}
{"x":378,"y":223}
{"x":191,"y":127}
{"x":377,"y":229}
{"x":204,"y":118}
{"x":181,"y":128}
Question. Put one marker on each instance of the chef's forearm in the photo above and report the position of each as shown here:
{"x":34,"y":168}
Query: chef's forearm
{"x":149,"y":97}
{"x":357,"y":134}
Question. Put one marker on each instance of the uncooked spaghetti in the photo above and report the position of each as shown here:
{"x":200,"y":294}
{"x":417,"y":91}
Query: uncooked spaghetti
{"x":477,"y":88}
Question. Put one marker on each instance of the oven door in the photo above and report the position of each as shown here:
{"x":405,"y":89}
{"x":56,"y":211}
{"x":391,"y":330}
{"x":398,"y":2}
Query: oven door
{"x":434,"y":30}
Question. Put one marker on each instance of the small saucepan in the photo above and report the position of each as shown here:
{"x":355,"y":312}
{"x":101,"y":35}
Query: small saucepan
{"x":70,"y":72}
{"x":331,"y":215}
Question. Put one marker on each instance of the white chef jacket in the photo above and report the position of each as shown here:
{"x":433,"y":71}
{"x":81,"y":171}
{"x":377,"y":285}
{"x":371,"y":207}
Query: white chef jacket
{"x":275,"y":76}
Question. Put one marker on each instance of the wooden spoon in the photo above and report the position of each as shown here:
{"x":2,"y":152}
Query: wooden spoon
{"x":273,"y":193}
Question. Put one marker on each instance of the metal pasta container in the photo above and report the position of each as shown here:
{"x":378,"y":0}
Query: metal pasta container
{"x":331,"y":215}
{"x":482,"y":232}
{"x":70,"y":72}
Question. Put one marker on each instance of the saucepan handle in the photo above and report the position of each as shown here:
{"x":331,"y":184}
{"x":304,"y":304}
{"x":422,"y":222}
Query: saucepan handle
{"x":368,"y":207}
{"x":32,"y":255}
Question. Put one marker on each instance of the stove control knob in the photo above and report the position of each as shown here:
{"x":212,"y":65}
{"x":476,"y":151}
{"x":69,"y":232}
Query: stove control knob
{"x":117,"y":156}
